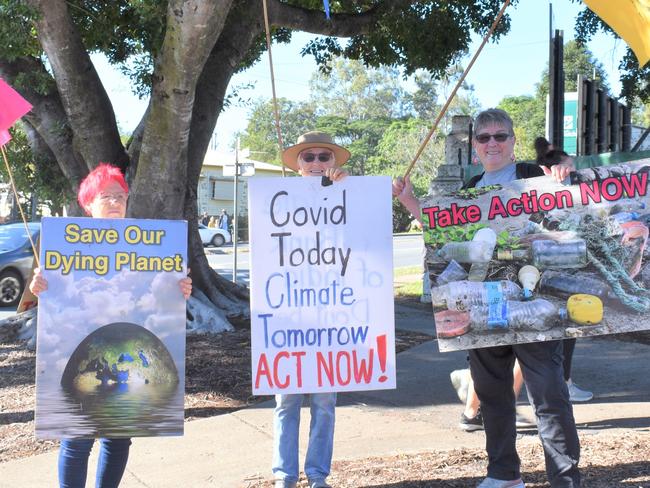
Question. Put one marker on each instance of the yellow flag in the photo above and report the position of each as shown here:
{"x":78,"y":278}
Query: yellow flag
{"x":630,"y":19}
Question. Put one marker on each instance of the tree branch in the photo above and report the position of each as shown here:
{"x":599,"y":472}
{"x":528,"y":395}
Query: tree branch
{"x":48,"y":118}
{"x":241,"y":29}
{"x":239,"y":33}
{"x":193,"y":27}
{"x":314,"y":21}
{"x":84,"y":99}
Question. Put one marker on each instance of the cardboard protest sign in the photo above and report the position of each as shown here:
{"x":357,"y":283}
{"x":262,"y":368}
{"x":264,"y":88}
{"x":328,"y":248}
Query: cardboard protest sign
{"x":321,"y":285}
{"x":535,"y":260}
{"x":110,"y":358}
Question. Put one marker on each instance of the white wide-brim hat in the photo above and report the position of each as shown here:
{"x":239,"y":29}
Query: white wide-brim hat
{"x":314,"y":139}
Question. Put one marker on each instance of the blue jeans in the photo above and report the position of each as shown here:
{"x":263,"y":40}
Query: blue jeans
{"x":286,"y":425}
{"x":541,"y":365}
{"x":73,"y":462}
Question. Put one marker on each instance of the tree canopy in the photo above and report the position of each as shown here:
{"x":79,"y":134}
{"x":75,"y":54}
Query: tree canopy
{"x":635,"y":80}
{"x":181,"y":54}
{"x":375,"y":113}
{"x":578,"y":60}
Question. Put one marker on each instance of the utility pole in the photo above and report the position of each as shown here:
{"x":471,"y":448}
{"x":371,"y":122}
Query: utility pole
{"x":245,"y":168}
{"x":235,"y":215}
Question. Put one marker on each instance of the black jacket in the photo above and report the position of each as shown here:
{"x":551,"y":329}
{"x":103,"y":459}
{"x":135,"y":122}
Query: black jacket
{"x":523,"y":171}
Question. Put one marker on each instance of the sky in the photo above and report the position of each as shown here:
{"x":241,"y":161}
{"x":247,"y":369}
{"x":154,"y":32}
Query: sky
{"x":509,"y":68}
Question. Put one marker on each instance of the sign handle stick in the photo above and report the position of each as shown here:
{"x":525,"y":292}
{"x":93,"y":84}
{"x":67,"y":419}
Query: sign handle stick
{"x":20,"y":207}
{"x":453,"y":93}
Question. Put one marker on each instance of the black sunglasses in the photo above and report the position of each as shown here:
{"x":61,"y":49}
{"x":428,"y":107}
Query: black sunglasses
{"x":311,"y":157}
{"x":499,"y":137}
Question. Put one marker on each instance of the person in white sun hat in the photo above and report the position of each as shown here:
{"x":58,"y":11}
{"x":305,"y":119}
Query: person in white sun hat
{"x":314,"y":154}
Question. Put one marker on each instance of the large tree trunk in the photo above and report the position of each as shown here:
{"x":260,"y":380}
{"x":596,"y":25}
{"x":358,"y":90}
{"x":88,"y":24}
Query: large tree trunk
{"x":205,"y":43}
{"x":241,"y":28}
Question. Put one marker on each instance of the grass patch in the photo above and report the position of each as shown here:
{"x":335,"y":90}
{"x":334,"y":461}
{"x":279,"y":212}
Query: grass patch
{"x":408,"y":270}
{"x":407,"y":283}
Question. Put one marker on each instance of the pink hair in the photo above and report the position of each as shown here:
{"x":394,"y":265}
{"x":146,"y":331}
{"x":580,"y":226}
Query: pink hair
{"x":98,"y":179}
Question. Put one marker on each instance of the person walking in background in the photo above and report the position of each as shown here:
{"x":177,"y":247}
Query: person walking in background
{"x":212,"y":224}
{"x":103,"y":195}
{"x":540,"y":362}
{"x":314,"y":154}
{"x":205,"y":219}
{"x":224,"y":220}
{"x":471,"y":418}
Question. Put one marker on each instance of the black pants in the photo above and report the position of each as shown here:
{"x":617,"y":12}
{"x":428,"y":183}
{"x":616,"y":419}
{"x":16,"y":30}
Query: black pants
{"x":569,"y":345}
{"x":541,"y":365}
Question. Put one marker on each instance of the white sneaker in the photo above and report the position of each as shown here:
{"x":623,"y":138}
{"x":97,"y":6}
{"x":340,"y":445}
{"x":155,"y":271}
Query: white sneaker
{"x":522,"y":422}
{"x":577,"y":394}
{"x":285,"y":484}
{"x":460,"y":379}
{"x":494,"y":483}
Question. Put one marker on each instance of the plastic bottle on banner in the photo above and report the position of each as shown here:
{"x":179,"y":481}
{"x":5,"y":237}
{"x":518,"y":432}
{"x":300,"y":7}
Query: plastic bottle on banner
{"x":513,"y":254}
{"x":528,"y":277}
{"x":461,"y":295}
{"x":467,"y":251}
{"x":530,"y":228}
{"x":553,"y":222}
{"x":525,"y":252}
{"x":622,"y":217}
{"x":563,"y":284}
{"x":537,"y":315}
{"x":478,"y":271}
{"x":561,"y":254}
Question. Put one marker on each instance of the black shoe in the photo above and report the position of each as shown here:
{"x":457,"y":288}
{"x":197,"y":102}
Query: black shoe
{"x":470,"y":424}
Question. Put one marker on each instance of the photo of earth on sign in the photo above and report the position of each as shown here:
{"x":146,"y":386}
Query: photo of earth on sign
{"x":119,"y":354}
{"x":120,"y":381}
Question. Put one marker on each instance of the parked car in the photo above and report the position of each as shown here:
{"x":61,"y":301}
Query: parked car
{"x":213,"y":236}
{"x":16,"y":258}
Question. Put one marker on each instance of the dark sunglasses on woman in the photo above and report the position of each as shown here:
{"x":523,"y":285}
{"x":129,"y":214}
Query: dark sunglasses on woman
{"x":499,"y":137}
{"x":311,"y":157}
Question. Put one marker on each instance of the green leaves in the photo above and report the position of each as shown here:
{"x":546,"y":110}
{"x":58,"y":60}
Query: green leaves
{"x":438,"y":237}
{"x":17,"y":35}
{"x":415,"y":35}
{"x":507,"y":241}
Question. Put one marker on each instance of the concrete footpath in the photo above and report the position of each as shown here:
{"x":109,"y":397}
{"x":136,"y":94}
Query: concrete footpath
{"x":234,"y":450}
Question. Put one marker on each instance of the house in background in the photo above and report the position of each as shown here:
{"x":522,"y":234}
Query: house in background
{"x":216,"y":191}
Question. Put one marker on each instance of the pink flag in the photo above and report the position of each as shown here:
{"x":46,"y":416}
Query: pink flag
{"x":12,"y":107}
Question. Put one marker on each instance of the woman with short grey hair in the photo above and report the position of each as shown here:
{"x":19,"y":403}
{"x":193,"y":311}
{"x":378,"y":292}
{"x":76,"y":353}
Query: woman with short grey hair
{"x":492,"y":367}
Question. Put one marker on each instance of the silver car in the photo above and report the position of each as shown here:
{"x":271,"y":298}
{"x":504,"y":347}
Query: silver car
{"x":213,"y":236}
{"x":16,"y":259}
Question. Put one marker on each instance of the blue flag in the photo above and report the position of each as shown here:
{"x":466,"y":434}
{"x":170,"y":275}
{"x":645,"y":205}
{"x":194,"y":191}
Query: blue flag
{"x":326,"y":4}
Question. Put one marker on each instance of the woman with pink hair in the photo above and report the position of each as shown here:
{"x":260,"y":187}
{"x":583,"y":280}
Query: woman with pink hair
{"x":103,"y":194}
